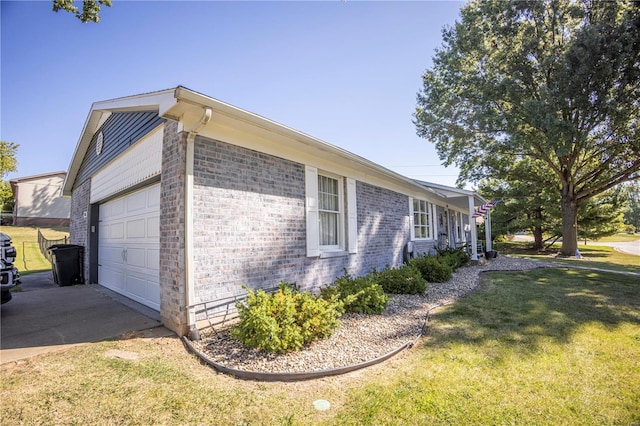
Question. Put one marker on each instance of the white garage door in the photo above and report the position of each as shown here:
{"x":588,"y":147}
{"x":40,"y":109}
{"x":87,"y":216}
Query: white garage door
{"x":128,"y":248}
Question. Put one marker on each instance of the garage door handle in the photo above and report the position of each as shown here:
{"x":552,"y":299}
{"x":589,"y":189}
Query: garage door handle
{"x":124,"y":255}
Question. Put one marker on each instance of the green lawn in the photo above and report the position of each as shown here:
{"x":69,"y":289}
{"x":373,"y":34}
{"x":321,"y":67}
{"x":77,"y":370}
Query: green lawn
{"x":549,"y":346}
{"x":540,"y":347}
{"x":25,"y":240}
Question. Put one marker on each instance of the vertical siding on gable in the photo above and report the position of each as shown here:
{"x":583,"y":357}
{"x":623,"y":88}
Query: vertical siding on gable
{"x":120,"y":131}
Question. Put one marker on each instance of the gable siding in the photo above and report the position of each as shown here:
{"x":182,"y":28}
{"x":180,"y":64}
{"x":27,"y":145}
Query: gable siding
{"x":120,"y":131}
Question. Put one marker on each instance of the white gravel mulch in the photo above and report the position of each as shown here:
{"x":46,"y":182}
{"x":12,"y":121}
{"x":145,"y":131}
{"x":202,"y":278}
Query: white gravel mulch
{"x":360,"y":338}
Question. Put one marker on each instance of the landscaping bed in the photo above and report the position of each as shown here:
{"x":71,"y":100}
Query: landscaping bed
{"x":360,"y":338}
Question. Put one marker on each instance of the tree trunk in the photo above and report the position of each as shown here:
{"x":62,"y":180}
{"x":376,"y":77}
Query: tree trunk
{"x":538,"y":244}
{"x":569,"y":220}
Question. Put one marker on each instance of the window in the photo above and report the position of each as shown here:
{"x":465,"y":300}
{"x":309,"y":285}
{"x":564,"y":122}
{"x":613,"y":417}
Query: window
{"x":329,"y":210}
{"x":421,"y":219}
{"x":332,"y":214}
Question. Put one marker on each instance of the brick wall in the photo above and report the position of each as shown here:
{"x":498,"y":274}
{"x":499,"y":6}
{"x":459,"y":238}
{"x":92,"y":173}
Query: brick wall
{"x":250,"y":227}
{"x":383,"y":227}
{"x":172,"y":241}
{"x":79,"y":221}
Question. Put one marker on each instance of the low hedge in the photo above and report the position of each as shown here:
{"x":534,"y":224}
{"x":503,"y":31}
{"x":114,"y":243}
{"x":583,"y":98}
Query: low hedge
{"x":404,"y":280}
{"x":432,"y":268}
{"x":285,"y":320}
{"x":361,"y":295}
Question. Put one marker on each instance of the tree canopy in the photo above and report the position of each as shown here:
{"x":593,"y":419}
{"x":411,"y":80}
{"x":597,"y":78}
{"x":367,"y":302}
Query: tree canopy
{"x":553,"y":81}
{"x":90,"y":8}
{"x":8,"y":160}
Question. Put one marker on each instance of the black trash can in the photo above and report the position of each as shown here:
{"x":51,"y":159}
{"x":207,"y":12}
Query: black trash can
{"x":67,"y":264}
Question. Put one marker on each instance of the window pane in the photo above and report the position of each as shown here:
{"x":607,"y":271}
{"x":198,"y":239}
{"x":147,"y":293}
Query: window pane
{"x":328,"y":229}
{"x":328,"y":194}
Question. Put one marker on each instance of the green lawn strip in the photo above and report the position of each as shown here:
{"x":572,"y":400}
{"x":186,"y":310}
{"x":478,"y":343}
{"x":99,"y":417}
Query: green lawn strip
{"x":25,"y":240}
{"x":539,"y":347}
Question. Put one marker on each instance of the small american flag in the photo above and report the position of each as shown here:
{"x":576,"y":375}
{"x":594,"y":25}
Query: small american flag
{"x":483,"y":209}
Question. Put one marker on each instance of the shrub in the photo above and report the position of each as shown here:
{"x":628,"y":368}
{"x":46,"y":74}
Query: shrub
{"x":432,"y":269}
{"x":285,"y":320}
{"x":404,"y":280}
{"x":455,"y":258}
{"x":361,"y":295}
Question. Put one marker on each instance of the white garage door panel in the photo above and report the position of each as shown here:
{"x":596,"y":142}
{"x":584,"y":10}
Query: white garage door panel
{"x":111,"y":255}
{"x":153,"y":259}
{"x":128,"y":249}
{"x":112,"y":279}
{"x":136,"y":228}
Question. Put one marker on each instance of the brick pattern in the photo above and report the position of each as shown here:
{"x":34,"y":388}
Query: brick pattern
{"x":250,"y":228}
{"x":249,"y":223}
{"x":172,"y":230}
{"x":383,"y":227}
{"x":79,"y":221}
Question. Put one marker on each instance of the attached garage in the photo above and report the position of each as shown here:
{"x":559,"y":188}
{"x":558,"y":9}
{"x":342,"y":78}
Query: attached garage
{"x":129,"y":245}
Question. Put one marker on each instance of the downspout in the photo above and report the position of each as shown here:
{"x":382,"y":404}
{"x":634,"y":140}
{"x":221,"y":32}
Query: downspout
{"x":188,"y":221}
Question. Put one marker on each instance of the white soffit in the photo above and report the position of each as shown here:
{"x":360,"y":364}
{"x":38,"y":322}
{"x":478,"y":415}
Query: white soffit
{"x":140,"y":162}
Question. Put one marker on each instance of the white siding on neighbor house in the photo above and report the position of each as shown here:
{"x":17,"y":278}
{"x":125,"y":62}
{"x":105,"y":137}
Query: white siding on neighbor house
{"x":42,"y":198}
{"x":137,"y":164}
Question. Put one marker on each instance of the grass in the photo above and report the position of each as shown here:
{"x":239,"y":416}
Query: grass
{"x":593,"y":256}
{"x":549,"y":346}
{"x":541,"y":347}
{"x":25,"y":240}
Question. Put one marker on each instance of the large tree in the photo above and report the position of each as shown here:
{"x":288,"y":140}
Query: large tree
{"x":557,"y":82}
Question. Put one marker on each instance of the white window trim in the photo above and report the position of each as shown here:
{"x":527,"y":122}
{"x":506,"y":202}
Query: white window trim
{"x":347,"y":221}
{"x":341,"y":240}
{"x":429,"y":211}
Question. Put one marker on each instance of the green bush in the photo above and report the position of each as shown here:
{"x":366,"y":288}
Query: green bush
{"x":404,"y":280}
{"x":285,"y":320}
{"x":361,"y":295}
{"x":455,"y":258}
{"x":432,"y":269}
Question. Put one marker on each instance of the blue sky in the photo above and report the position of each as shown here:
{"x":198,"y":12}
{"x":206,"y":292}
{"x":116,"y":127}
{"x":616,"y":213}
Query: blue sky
{"x":344,"y":72}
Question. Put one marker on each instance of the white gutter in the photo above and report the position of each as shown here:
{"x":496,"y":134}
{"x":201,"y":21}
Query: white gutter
{"x":188,"y":225}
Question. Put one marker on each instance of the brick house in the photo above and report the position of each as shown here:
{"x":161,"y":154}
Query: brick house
{"x":180,"y":199}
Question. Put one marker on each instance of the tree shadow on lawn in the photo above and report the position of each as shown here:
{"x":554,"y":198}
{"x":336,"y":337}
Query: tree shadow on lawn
{"x":526,"y":310}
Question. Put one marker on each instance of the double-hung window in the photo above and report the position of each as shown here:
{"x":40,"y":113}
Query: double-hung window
{"x":421,"y":219}
{"x":331,"y":209}
{"x":330,"y":212}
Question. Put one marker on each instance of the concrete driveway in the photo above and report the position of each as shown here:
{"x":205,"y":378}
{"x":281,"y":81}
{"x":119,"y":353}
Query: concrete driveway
{"x":45,"y":317}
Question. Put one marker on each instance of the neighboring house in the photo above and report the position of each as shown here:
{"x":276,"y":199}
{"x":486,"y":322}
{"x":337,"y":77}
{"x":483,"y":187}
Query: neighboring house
{"x":180,"y":199}
{"x":39,"y":200}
